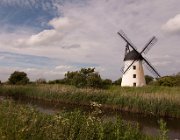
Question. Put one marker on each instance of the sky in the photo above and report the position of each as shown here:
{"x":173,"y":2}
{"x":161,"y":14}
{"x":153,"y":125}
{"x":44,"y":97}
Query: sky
{"x":47,"y":38}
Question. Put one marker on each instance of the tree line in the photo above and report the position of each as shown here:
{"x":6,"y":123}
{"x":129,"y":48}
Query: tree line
{"x":88,"y":77}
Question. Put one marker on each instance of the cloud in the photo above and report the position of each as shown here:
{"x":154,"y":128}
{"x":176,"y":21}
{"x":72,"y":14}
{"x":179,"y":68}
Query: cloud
{"x":172,"y":25}
{"x":43,"y":38}
{"x":164,"y":63}
{"x":84,"y":34}
{"x":61,"y":26}
{"x":44,"y":4}
{"x":64,"y":68}
{"x":61,"y":23}
{"x":74,"y":46}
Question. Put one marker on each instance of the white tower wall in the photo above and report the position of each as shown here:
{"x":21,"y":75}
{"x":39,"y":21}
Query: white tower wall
{"x":135,"y":75}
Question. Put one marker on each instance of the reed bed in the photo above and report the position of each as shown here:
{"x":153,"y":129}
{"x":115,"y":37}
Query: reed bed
{"x":157,"y":101}
{"x":24,"y":123}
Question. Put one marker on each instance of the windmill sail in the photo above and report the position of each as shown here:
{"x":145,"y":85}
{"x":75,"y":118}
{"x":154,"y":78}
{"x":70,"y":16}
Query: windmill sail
{"x":149,"y":45}
{"x":151,"y":68}
{"x":123,"y":35}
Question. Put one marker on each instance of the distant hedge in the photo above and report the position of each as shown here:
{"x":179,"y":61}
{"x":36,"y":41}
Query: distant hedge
{"x":170,"y":81}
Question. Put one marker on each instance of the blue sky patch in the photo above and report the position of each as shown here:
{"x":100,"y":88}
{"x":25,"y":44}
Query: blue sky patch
{"x":34,"y":17}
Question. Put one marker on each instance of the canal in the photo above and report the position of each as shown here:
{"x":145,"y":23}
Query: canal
{"x":148,"y":124}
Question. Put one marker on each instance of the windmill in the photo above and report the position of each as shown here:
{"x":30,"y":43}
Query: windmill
{"x":133,"y":73}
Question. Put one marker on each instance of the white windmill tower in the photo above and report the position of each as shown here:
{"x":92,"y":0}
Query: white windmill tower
{"x":133,"y":73}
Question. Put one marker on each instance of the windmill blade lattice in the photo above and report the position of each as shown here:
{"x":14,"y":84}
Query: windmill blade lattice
{"x":122,"y":69}
{"x":123,"y":35}
{"x":149,"y":66}
{"x":149,"y":45}
{"x":152,"y":41}
{"x":133,"y":55}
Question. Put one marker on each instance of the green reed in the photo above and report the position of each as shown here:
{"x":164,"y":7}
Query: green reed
{"x":158,"y":101}
{"x":24,"y":123}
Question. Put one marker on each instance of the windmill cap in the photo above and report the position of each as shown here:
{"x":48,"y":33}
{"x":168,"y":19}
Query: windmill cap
{"x":133,"y":55}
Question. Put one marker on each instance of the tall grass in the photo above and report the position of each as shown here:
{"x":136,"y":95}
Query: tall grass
{"x":159,"y":101}
{"x":24,"y":123}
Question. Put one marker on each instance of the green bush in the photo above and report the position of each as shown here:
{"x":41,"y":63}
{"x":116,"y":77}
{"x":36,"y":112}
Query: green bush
{"x":86,"y":77}
{"x":79,"y":80}
{"x":106,"y":83}
{"x":169,"y":81}
{"x":94,"y":80}
{"x":118,"y":81}
{"x":57,"y":81}
{"x":148,"y":79}
{"x":18,"y":78}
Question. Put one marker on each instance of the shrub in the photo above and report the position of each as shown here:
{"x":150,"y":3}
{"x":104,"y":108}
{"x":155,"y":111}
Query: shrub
{"x":118,"y":81}
{"x":148,"y":79}
{"x":94,"y":80}
{"x":168,"y":81}
{"x":79,"y":80}
{"x":106,"y":83}
{"x":69,"y":76}
{"x":18,"y":78}
{"x":86,"y":77}
{"x":57,"y":81}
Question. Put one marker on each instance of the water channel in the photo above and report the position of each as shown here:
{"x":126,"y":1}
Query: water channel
{"x":148,"y":124}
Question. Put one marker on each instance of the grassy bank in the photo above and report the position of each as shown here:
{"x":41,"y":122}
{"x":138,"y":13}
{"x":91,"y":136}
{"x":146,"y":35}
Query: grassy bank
{"x":158,"y":101}
{"x":22,"y":122}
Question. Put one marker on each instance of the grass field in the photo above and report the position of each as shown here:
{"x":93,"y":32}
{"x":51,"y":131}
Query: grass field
{"x":22,"y":122}
{"x":158,"y":101}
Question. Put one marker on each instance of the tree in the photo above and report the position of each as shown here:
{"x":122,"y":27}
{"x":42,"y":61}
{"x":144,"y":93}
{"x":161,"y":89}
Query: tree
{"x":106,"y":83}
{"x":148,"y":79}
{"x":18,"y":78}
{"x":86,"y":77}
{"x":69,"y":76}
{"x":79,"y":80}
{"x":118,"y":81}
{"x":94,"y":80}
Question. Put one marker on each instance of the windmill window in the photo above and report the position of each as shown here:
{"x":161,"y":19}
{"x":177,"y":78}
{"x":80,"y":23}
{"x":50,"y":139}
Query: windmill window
{"x":134,"y":75}
{"x":134,"y":84}
{"x":134,"y":67}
